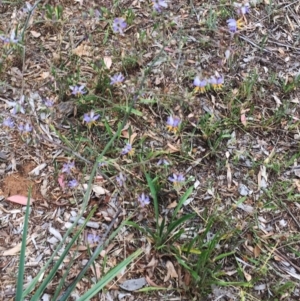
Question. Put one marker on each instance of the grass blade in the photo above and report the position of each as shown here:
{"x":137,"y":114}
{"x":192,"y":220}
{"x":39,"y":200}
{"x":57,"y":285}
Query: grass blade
{"x":109,"y":276}
{"x":52,"y":273}
{"x":22,"y":253}
{"x":154,"y":196}
{"x":182,"y":200}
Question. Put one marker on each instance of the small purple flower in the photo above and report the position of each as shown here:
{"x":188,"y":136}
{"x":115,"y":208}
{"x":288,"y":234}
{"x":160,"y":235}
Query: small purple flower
{"x":117,"y":79}
{"x":173,"y":123}
{"x":97,"y":13}
{"x":78,"y":90}
{"x":242,"y":9}
{"x":92,"y":238}
{"x":234,"y":25}
{"x":48,"y":102}
{"x":127,"y":149}
{"x":200,"y":84}
{"x":90,"y":118}
{"x":11,"y":40}
{"x":8,"y":122}
{"x":19,"y":106}
{"x":216,"y":82}
{"x":67,"y":167}
{"x":163,"y":162}
{"x":118,"y":25}
{"x":144,"y":199}
{"x":158,"y":4}
{"x":73,"y":183}
{"x":5,"y":40}
{"x":28,"y":8}
{"x":25,"y":129}
{"x":177,"y":179}
{"x":121,"y":179}
{"x":102,"y":164}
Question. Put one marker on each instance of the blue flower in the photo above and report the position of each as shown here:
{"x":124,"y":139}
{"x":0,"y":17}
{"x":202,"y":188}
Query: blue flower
{"x":121,"y":179}
{"x":73,"y":183}
{"x":25,"y":129}
{"x":163,"y":162}
{"x":48,"y":102}
{"x":200,"y":84}
{"x":242,"y":9}
{"x":8,"y":122}
{"x":144,"y":199}
{"x":216,"y":82}
{"x":67,"y":167}
{"x":173,"y":123}
{"x":127,"y":149}
{"x":77,"y":90}
{"x":118,"y":25}
{"x":177,"y":179}
{"x":11,"y":40}
{"x":19,"y":106}
{"x":158,"y":4}
{"x":234,"y":25}
{"x":90,"y":118}
{"x":102,"y":164}
{"x":93,"y":238}
{"x":117,"y":79}
{"x":28,"y":7}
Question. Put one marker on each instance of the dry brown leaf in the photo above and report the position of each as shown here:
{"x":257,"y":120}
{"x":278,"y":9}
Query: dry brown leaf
{"x":243,"y":119}
{"x":297,"y":184}
{"x":150,"y":282}
{"x":82,"y":50}
{"x":132,"y":138}
{"x":172,"y":148}
{"x":171,"y":271}
{"x":247,"y":276}
{"x":44,"y":75}
{"x":16,"y":249}
{"x":256,"y":251}
{"x":153,"y":263}
{"x":107,"y":61}
{"x":229,"y":175}
{"x":172,"y":205}
{"x":35,"y":34}
{"x":13,"y":251}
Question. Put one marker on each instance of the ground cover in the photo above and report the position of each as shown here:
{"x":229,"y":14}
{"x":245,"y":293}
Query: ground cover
{"x":159,"y":144}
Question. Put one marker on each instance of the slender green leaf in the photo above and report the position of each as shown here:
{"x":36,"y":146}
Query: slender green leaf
{"x":136,"y":226}
{"x":109,"y":276}
{"x":154,"y":196}
{"x":94,"y":256}
{"x":62,"y":281}
{"x":182,"y":200}
{"x":23,"y":249}
{"x":178,"y":222}
{"x":162,"y":227}
{"x":52,"y":273}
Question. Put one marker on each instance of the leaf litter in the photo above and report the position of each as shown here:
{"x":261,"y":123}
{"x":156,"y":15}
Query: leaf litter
{"x":246,"y":135}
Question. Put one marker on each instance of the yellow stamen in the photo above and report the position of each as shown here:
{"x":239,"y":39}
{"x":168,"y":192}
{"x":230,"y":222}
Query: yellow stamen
{"x":240,"y":23}
{"x":199,"y":89}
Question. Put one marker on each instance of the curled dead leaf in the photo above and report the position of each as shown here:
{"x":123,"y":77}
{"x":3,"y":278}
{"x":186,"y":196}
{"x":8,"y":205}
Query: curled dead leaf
{"x":171,"y":273}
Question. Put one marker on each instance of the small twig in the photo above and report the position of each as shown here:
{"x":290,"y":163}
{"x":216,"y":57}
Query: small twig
{"x":68,"y":150}
{"x":92,"y":259}
{"x":287,"y":260}
{"x":290,"y":4}
{"x":291,"y":214}
{"x":255,"y":45}
{"x":284,"y":45}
